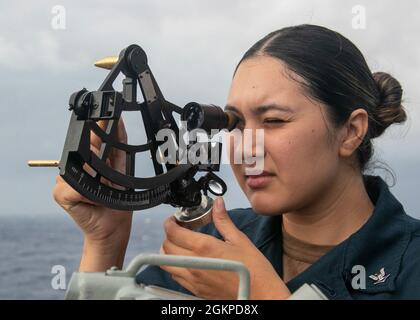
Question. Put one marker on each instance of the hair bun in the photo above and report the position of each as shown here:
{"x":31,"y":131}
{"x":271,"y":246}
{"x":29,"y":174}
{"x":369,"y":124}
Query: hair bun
{"x":389,"y":109}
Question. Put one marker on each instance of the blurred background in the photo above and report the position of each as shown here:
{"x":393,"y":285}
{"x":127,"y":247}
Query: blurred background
{"x":47,"y":50}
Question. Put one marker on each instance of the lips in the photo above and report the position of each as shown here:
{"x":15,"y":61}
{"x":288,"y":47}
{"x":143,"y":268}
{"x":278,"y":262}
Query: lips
{"x":264,"y":173}
{"x":260,"y":180}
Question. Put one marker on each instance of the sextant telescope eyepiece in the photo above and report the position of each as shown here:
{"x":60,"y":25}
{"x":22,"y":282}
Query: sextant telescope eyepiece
{"x":207,"y":117}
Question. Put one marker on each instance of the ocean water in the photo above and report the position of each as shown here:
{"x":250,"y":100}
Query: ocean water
{"x":30,"y":246}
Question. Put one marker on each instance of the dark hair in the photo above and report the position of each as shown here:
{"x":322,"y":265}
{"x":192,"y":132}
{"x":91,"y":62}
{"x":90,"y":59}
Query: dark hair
{"x":335,"y":73}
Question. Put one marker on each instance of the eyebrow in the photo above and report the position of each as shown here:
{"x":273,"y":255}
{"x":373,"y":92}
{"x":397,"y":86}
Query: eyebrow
{"x":261,"y":109}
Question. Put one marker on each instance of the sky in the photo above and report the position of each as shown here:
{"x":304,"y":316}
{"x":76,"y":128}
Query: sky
{"x":193,"y":48}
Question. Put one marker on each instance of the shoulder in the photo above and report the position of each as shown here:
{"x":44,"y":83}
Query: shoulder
{"x":412,"y":252}
{"x":409,"y":278}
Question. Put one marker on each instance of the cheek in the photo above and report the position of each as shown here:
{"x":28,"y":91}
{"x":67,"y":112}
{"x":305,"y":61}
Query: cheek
{"x":301,"y":156}
{"x":303,"y":164}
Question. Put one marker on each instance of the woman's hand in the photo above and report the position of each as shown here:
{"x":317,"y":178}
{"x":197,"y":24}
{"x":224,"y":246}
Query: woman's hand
{"x":106,"y":231}
{"x":212,"y":284}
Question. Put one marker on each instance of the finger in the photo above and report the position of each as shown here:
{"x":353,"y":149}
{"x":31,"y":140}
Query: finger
{"x":170,"y":248}
{"x":121,"y":132}
{"x":66,"y":196}
{"x":94,"y":139}
{"x":91,"y":171}
{"x":117,"y":156}
{"x":88,"y":168}
{"x":223,"y":222}
{"x":119,"y":166}
{"x":185,"y":238}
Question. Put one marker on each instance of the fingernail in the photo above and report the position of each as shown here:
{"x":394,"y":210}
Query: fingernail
{"x":219,"y":203}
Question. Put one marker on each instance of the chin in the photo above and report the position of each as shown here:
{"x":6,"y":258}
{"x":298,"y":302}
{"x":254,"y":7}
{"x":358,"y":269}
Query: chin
{"x":265,"y":203}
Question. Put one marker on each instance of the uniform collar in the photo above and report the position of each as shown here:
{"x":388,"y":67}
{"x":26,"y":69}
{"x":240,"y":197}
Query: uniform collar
{"x":379,"y":243}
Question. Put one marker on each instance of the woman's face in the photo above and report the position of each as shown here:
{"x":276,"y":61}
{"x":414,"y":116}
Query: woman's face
{"x":301,"y":160}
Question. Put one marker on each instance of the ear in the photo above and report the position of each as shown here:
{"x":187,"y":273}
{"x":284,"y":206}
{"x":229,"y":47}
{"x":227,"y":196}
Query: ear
{"x":354,"y":132}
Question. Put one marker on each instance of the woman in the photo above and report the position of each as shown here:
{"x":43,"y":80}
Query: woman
{"x":316,"y":217}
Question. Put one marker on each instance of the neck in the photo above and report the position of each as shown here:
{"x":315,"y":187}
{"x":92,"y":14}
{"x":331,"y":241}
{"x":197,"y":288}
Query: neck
{"x":335,"y":216}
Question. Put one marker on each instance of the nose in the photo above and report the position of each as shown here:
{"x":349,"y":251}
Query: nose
{"x":253,"y":145}
{"x":246,"y":147}
{"x":253,"y":141}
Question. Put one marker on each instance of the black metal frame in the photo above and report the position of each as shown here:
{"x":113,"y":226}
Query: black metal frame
{"x":173,"y":184}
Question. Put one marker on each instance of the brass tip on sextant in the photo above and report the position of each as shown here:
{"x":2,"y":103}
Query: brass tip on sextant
{"x":107,"y":63}
{"x":43,"y":163}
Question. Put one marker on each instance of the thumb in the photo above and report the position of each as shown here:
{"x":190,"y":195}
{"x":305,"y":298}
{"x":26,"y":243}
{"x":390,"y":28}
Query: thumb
{"x":223,"y":222}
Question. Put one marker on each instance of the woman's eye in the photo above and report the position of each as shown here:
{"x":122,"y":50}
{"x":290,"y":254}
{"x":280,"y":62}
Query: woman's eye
{"x":272,"y":120}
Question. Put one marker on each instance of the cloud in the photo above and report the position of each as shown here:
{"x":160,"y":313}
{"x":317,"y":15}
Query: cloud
{"x":193,"y":47}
